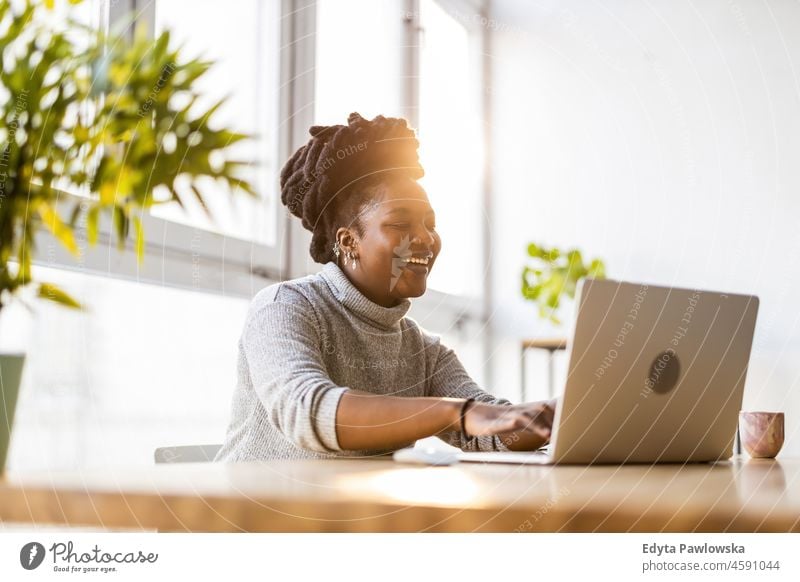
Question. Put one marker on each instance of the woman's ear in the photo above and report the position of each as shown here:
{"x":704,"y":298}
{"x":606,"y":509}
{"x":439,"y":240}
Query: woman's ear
{"x":347,"y":241}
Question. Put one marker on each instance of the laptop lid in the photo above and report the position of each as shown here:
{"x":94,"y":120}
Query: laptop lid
{"x":656,"y":374}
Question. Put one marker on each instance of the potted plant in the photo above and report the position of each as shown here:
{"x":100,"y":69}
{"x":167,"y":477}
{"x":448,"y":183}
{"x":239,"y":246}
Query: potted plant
{"x":552,"y":274}
{"x":84,"y":111}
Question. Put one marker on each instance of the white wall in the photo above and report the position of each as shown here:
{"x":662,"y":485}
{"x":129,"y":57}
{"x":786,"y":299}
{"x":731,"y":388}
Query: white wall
{"x":664,"y":137}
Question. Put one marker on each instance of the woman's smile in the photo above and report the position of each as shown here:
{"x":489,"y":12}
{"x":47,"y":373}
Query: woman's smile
{"x":419,"y":264}
{"x":417,"y":270}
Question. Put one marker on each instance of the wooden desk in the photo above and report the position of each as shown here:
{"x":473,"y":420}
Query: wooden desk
{"x":379,"y":495}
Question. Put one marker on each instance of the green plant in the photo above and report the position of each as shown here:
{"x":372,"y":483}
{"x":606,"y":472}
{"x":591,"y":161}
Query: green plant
{"x":554,"y":273}
{"x":113,"y":119}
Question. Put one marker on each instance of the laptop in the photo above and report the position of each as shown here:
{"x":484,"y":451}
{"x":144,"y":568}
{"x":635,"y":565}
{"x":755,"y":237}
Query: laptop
{"x":655,"y":375}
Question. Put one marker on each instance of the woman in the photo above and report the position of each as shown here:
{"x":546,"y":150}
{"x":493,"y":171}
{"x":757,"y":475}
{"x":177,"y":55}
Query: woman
{"x":329,"y":365}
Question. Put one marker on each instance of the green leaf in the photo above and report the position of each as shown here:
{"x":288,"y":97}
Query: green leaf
{"x":161,"y":45}
{"x":552,"y":299}
{"x":73,"y":217}
{"x":201,"y":200}
{"x":53,"y":293}
{"x":597,"y":269}
{"x":139,"y":234}
{"x":553,"y":275}
{"x":91,"y":224}
{"x":213,"y":109}
{"x":244,"y":186}
{"x":534,"y":292}
{"x":59,"y":230}
{"x":121,"y":224}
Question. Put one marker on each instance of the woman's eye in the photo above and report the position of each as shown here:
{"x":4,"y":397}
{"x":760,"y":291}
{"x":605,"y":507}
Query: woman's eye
{"x":407,"y":225}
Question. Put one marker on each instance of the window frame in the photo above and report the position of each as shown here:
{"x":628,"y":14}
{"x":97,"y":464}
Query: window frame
{"x":437,"y":309}
{"x":471,"y":14}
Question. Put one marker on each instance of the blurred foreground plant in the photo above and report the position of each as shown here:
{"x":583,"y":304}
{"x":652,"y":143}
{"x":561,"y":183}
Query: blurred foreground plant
{"x":113,"y":119}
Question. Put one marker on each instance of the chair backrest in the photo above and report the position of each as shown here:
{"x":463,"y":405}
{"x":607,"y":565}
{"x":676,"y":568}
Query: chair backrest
{"x":187,"y":454}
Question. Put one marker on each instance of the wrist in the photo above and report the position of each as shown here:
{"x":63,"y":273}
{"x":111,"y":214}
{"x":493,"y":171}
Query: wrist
{"x":451,"y":414}
{"x":462,"y":415}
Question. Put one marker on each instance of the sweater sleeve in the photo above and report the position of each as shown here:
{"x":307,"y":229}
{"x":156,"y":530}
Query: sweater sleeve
{"x":450,"y":379}
{"x":282,"y":346}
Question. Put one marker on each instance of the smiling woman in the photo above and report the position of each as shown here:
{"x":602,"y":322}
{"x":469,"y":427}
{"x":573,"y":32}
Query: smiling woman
{"x":373,"y":229}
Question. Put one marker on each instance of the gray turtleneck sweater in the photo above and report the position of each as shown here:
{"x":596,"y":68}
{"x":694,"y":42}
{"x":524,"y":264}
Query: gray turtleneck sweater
{"x":305,"y":342}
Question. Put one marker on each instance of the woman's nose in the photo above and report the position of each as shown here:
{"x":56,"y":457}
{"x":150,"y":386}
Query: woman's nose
{"x":424,"y":236}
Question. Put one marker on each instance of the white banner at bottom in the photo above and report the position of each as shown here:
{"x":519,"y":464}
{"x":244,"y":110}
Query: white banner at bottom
{"x":388,"y":557}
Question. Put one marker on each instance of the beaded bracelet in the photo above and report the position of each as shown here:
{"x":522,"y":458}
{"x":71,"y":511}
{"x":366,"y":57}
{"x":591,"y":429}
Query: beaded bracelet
{"x":464,"y":407}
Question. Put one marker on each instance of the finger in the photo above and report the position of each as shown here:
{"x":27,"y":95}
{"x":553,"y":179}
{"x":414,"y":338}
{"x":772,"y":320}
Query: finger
{"x":530,"y":425}
{"x":539,"y":412}
{"x":543,"y":417}
{"x":540,"y":428}
{"x":541,"y":432}
{"x":550,"y":414}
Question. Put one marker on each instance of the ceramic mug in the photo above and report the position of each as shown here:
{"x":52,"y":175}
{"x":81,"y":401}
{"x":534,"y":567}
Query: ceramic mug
{"x":761,"y":433}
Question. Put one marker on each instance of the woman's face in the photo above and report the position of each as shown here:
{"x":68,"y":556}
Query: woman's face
{"x":398,"y":226}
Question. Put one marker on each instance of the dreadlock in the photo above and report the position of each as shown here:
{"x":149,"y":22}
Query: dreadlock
{"x":328,"y":181}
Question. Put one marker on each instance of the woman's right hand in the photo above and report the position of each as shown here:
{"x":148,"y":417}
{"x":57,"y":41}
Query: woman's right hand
{"x":534,"y":419}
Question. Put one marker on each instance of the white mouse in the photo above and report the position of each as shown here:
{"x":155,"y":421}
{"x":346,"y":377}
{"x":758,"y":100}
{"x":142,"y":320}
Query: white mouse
{"x":425,"y":456}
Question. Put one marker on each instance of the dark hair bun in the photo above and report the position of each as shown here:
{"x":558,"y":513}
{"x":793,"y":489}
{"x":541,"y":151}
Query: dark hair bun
{"x":340,"y":158}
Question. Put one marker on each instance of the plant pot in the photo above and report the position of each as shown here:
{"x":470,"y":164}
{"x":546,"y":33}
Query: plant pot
{"x":10,"y":378}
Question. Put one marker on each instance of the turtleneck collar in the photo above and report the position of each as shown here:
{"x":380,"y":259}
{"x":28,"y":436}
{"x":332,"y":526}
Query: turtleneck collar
{"x":355,"y":301}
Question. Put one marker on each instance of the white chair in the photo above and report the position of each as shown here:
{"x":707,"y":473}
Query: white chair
{"x":187,"y":454}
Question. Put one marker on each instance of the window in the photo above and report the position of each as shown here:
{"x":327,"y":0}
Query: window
{"x":360,"y":68}
{"x":245,"y":45}
{"x":451,"y":146}
{"x":358,"y":65}
{"x":90,"y":12}
{"x":244,"y":239}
